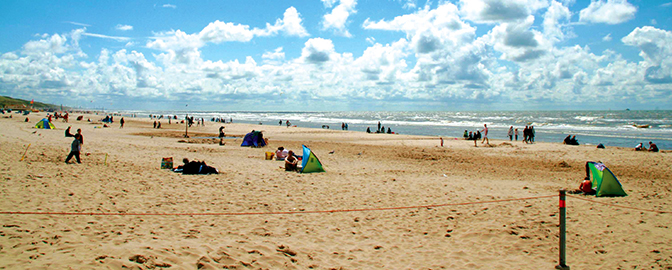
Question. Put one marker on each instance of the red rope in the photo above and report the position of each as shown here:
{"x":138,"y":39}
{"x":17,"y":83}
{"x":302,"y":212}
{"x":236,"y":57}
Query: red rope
{"x":267,"y":213}
{"x":621,"y":206}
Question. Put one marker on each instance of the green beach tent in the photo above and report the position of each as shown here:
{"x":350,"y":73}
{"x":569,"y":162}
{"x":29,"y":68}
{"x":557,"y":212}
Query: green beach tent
{"x":45,"y":124}
{"x":604,"y":181}
{"x":310,"y":162}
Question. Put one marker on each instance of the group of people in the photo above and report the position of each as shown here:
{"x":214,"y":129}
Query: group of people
{"x":221,"y":120}
{"x":195,"y":167}
{"x":291,"y":160}
{"x":287,"y":122}
{"x":652,"y":147}
{"x":381,"y":129}
{"x":477,"y":135}
{"x":528,"y":134}
{"x":570,"y":140}
{"x":57,"y":115}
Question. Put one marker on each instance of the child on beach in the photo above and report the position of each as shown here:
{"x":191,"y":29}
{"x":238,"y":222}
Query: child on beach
{"x":76,"y":146}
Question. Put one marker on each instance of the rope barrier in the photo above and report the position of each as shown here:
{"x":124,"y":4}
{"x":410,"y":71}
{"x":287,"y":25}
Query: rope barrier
{"x":621,"y":206}
{"x":269,"y":213}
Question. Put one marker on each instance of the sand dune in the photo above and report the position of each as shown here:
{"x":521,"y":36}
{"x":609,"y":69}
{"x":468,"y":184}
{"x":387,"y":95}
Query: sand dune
{"x":456,"y":229}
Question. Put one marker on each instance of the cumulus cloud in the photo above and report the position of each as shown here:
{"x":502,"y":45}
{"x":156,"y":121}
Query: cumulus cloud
{"x":218,"y":32}
{"x":337,"y":19}
{"x":439,"y":60}
{"x":656,"y":49}
{"x":518,"y":41}
{"x":609,"y":12}
{"x":290,"y":24}
{"x":123,"y":27}
{"x":317,"y":50}
{"x":494,"y":11}
{"x":556,"y":18}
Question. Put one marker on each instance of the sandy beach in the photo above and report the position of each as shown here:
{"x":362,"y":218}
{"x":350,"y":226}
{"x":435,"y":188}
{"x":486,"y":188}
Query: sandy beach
{"x":418,"y":205}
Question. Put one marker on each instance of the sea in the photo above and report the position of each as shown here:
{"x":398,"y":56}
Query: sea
{"x":623,"y":128}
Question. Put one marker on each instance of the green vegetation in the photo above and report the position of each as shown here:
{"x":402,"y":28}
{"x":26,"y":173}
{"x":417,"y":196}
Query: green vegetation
{"x":8,"y":101}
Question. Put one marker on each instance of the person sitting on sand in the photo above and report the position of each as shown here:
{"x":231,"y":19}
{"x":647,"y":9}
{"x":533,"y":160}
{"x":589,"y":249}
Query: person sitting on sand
{"x":291,"y":162}
{"x":567,"y":139}
{"x":573,"y":140}
{"x":653,"y":147}
{"x":639,"y":147}
{"x":281,"y":153}
{"x":586,"y":185}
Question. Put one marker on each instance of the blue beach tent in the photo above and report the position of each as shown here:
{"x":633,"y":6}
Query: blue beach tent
{"x":45,"y":124}
{"x":310,"y":162}
{"x":254,"y":139}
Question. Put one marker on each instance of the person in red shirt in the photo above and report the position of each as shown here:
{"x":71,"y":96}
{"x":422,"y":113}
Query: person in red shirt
{"x":587,"y":187}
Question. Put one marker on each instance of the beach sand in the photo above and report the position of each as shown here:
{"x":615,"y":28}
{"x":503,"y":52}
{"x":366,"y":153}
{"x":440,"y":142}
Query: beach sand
{"x":419,"y":205}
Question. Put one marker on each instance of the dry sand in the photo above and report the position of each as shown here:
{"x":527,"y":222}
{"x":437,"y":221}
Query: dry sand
{"x":365,"y":171}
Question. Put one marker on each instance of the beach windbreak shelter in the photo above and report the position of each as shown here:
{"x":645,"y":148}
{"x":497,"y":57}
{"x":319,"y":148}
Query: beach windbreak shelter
{"x":310,"y":162}
{"x":254,"y":139}
{"x":604,"y":181}
{"x":45,"y":124}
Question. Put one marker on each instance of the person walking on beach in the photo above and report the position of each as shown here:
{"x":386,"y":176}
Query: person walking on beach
{"x":516,"y":133}
{"x":75,"y":148}
{"x":485,"y":134}
{"x":121,"y":122}
{"x":510,"y":133}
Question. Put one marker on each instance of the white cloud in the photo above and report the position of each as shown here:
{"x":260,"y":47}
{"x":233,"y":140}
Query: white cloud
{"x":123,"y":27}
{"x":106,"y":37}
{"x":337,"y":19}
{"x":494,"y":11}
{"x":607,"y":38}
{"x":518,"y":41}
{"x":274,"y":57}
{"x":290,"y":24}
{"x":79,"y":24}
{"x":656,"y":49}
{"x":317,"y":50}
{"x":609,"y":12}
{"x":169,"y":6}
{"x":555,"y":19}
{"x":218,"y":32}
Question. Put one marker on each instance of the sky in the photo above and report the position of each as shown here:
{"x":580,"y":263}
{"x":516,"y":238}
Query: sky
{"x":339,"y":55}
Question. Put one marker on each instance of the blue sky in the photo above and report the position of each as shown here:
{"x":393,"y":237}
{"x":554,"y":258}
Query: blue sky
{"x":334,"y":55}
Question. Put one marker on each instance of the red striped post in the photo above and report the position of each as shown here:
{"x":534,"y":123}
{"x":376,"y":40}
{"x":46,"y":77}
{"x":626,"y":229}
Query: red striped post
{"x":562,"y":265}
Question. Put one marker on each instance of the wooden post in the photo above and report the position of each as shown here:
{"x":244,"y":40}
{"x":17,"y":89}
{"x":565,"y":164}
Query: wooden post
{"x":563,"y":263}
